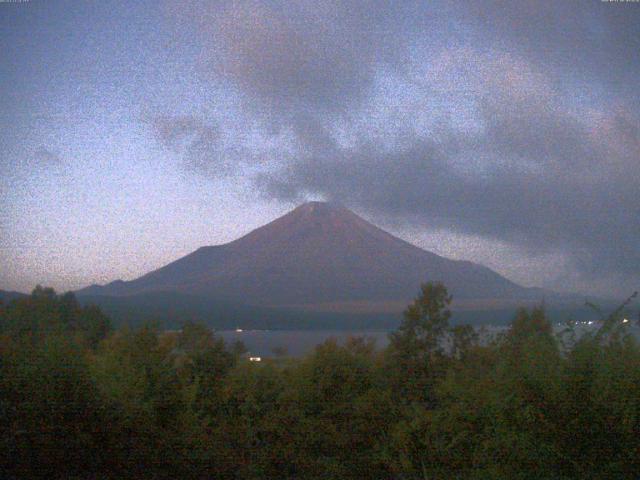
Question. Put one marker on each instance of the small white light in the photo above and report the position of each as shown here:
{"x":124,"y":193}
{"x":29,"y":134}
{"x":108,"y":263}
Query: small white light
{"x":625,"y":320}
{"x":255,"y":359}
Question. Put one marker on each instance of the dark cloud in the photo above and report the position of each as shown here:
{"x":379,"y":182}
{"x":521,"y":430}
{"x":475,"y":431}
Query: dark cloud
{"x":590,"y":40}
{"x":521,"y":122}
{"x":543,"y":178}
{"x":319,"y":55}
{"x":200,"y":144}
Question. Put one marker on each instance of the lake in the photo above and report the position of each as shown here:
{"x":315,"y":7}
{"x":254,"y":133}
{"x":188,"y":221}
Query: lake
{"x":296,"y":343}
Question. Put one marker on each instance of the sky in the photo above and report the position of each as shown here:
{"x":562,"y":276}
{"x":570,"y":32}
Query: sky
{"x":505,"y":133}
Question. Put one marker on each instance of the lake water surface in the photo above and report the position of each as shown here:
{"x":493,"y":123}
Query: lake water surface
{"x":295,"y":343}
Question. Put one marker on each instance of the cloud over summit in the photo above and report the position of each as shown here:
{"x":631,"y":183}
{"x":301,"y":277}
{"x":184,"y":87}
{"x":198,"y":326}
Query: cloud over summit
{"x":503,"y":121}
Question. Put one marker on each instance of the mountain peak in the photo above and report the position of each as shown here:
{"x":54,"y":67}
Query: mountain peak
{"x":315,"y":221}
{"x":316,"y":206}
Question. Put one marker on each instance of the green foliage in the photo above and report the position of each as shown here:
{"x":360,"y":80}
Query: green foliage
{"x":343,"y":413}
{"x":43,"y":313}
{"x":51,"y":411}
{"x":426,"y":320}
{"x":463,"y":339}
{"x":602,"y":408}
{"x":78,"y":400}
{"x":416,"y":354}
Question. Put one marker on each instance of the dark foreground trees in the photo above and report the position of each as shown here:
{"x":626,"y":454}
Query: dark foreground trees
{"x":78,"y":400}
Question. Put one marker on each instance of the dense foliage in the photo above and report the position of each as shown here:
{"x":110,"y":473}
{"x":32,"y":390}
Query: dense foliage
{"x":79,"y":400}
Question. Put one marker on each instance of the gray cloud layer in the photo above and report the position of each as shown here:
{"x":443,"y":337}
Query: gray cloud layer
{"x":513,"y":121}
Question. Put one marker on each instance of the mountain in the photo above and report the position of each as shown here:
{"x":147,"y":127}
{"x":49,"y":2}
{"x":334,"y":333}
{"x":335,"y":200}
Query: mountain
{"x":320,"y":257}
{"x":7,"y":296}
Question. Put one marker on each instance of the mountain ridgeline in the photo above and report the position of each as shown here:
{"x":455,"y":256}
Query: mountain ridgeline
{"x":319,"y":259}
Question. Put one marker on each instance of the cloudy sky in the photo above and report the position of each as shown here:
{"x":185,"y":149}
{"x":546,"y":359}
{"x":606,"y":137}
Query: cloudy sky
{"x":507,"y":133}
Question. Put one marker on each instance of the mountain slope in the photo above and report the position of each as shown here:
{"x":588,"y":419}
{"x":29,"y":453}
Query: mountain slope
{"x":6,"y":296}
{"x":317,"y":254}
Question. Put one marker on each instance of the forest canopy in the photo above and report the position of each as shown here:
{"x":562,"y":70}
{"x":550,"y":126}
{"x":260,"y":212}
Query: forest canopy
{"x":79,"y":399}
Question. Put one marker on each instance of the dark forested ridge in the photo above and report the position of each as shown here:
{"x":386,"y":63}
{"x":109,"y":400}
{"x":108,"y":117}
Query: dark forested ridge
{"x":79,"y":399}
{"x":170,"y":309}
{"x":7,"y":296}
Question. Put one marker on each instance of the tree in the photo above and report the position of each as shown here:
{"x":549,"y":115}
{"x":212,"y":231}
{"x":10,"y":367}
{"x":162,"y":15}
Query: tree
{"x":416,"y":353}
{"x":43,"y":313}
{"x":425,"y":322}
{"x":463,"y":337}
{"x":338,"y":413}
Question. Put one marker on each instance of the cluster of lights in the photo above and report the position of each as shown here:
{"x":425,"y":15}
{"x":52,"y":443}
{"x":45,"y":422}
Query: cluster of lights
{"x":591,"y":322}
